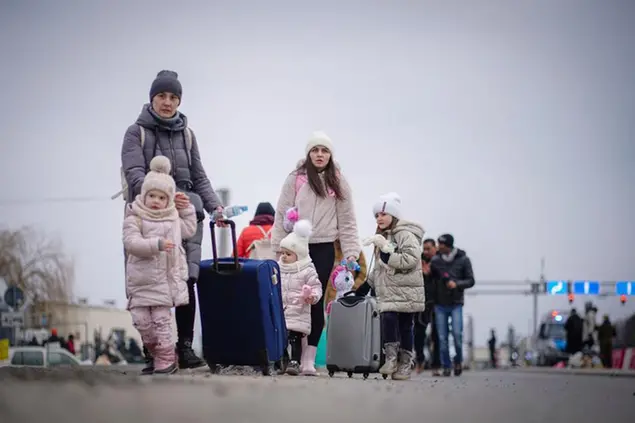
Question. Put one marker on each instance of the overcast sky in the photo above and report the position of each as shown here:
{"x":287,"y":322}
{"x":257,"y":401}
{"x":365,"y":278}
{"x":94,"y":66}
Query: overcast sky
{"x":508,"y":124}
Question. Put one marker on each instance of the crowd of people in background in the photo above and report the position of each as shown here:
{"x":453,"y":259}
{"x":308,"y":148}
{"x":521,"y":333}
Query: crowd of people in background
{"x":584,"y":336}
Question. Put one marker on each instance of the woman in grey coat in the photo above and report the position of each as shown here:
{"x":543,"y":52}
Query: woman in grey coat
{"x":161,"y":129}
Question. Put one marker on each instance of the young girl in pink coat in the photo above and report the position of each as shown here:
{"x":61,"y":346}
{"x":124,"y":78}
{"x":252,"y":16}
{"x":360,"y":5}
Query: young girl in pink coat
{"x":301,"y":288}
{"x":156,"y":268}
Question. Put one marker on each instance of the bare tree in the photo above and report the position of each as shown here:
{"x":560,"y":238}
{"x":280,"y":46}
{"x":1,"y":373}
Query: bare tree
{"x":37,"y":265}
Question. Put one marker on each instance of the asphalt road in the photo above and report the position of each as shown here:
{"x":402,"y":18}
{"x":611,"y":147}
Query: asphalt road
{"x":97,"y":396}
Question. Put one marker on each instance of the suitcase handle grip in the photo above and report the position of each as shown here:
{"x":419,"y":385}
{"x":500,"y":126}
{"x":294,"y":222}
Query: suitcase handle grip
{"x":232,"y":225}
{"x":349,"y":300}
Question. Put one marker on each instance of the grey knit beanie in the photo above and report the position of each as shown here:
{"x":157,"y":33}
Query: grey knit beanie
{"x":167,"y":81}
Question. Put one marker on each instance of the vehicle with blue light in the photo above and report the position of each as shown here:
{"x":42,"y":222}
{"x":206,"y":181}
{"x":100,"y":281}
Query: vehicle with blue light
{"x":551,"y":342}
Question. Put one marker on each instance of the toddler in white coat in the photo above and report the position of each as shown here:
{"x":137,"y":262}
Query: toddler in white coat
{"x":301,"y":288}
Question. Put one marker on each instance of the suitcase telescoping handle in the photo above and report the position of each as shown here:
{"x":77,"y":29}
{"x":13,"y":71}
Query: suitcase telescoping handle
{"x":232,"y":226}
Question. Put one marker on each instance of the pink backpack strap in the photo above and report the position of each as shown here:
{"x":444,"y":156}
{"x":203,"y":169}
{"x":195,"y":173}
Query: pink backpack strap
{"x":300,"y":179}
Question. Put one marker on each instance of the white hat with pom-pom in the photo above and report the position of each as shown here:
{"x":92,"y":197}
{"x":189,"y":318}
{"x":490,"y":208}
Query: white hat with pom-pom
{"x":159,"y":178}
{"x":298,"y":240}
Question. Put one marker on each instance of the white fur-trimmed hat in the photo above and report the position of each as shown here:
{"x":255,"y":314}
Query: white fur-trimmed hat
{"x":298,"y":240}
{"x":319,"y":138}
{"x":159,"y":178}
{"x":388,"y":203}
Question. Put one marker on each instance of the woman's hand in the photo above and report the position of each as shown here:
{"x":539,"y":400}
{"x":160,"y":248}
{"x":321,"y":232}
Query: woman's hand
{"x":219,"y":217}
{"x":181,"y":200}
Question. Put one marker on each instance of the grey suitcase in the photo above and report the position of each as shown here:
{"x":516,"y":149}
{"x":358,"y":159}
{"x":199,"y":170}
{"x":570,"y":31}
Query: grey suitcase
{"x":353,"y":337}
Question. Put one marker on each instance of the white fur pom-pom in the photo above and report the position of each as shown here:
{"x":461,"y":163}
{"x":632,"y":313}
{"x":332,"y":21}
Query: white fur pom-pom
{"x":160,"y":164}
{"x":303,"y":228}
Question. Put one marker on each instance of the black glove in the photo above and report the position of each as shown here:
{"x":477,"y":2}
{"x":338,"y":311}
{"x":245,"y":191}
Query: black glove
{"x":363,"y":289}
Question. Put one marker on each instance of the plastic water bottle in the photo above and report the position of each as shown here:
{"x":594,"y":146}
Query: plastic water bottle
{"x":232,"y":211}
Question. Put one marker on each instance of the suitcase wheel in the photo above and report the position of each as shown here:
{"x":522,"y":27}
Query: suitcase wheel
{"x":213,"y":368}
{"x":331,"y":373}
{"x":365,"y":375}
{"x":350,"y":374}
{"x":385,"y":376}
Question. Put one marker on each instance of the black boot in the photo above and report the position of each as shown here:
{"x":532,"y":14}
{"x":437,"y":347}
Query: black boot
{"x":149,"y":368}
{"x":458,"y":369}
{"x":187,"y":358}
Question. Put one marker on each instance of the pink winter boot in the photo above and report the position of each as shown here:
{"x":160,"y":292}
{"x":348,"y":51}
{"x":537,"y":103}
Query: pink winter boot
{"x":307,"y":365}
{"x":305,"y":343}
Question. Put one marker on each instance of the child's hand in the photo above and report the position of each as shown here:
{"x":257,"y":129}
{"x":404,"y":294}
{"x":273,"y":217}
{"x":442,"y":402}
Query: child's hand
{"x":308,"y":300}
{"x":376,"y":239}
{"x":168,"y":245}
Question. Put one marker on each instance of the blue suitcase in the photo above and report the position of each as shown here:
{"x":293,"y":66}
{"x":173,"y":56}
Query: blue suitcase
{"x":240,"y":304}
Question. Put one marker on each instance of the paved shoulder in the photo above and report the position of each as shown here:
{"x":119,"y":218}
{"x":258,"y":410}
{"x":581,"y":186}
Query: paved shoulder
{"x":100,"y":396}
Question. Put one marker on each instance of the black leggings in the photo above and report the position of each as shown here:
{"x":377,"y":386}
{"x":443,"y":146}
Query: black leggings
{"x":295,"y":340}
{"x":323,"y":256}
{"x":397,"y":327}
{"x":185,"y":316}
{"x":422,"y":320}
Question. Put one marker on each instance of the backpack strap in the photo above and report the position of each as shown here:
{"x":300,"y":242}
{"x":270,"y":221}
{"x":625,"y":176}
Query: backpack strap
{"x":300,"y":179}
{"x":188,"y":142}
{"x":142,"y":133}
{"x":266,"y":234}
{"x":188,"y":145}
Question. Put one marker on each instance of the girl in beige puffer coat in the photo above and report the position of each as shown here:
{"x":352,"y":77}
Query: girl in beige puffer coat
{"x":398,"y":282}
{"x":301,"y":288}
{"x":156,"y":268}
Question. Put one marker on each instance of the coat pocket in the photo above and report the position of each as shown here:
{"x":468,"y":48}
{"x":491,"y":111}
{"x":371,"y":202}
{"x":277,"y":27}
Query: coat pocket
{"x":142,"y":271}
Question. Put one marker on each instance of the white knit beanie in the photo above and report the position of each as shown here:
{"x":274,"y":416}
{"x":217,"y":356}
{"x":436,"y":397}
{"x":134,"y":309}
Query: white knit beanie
{"x":159,"y":178}
{"x":388,"y":203}
{"x":298,"y":240}
{"x":319,"y":138}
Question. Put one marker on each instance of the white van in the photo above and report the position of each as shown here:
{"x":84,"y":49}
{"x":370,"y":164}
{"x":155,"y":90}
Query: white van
{"x":40,"y":357}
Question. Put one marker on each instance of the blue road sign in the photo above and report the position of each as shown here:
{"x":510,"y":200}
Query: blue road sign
{"x":625,"y":288}
{"x":557,"y":287}
{"x":586,"y":287}
{"x":14,"y":297}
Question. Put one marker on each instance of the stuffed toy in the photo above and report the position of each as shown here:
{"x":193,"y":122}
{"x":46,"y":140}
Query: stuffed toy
{"x":290,"y":218}
{"x":306,"y":291}
{"x":342,"y":280}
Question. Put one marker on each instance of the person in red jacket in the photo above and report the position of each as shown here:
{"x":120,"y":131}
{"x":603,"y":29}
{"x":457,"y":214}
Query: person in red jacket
{"x":258,"y":228}
{"x":70,"y":344}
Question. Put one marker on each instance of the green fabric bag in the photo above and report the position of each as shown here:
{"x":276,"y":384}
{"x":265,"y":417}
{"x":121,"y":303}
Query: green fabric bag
{"x":320,"y":356}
